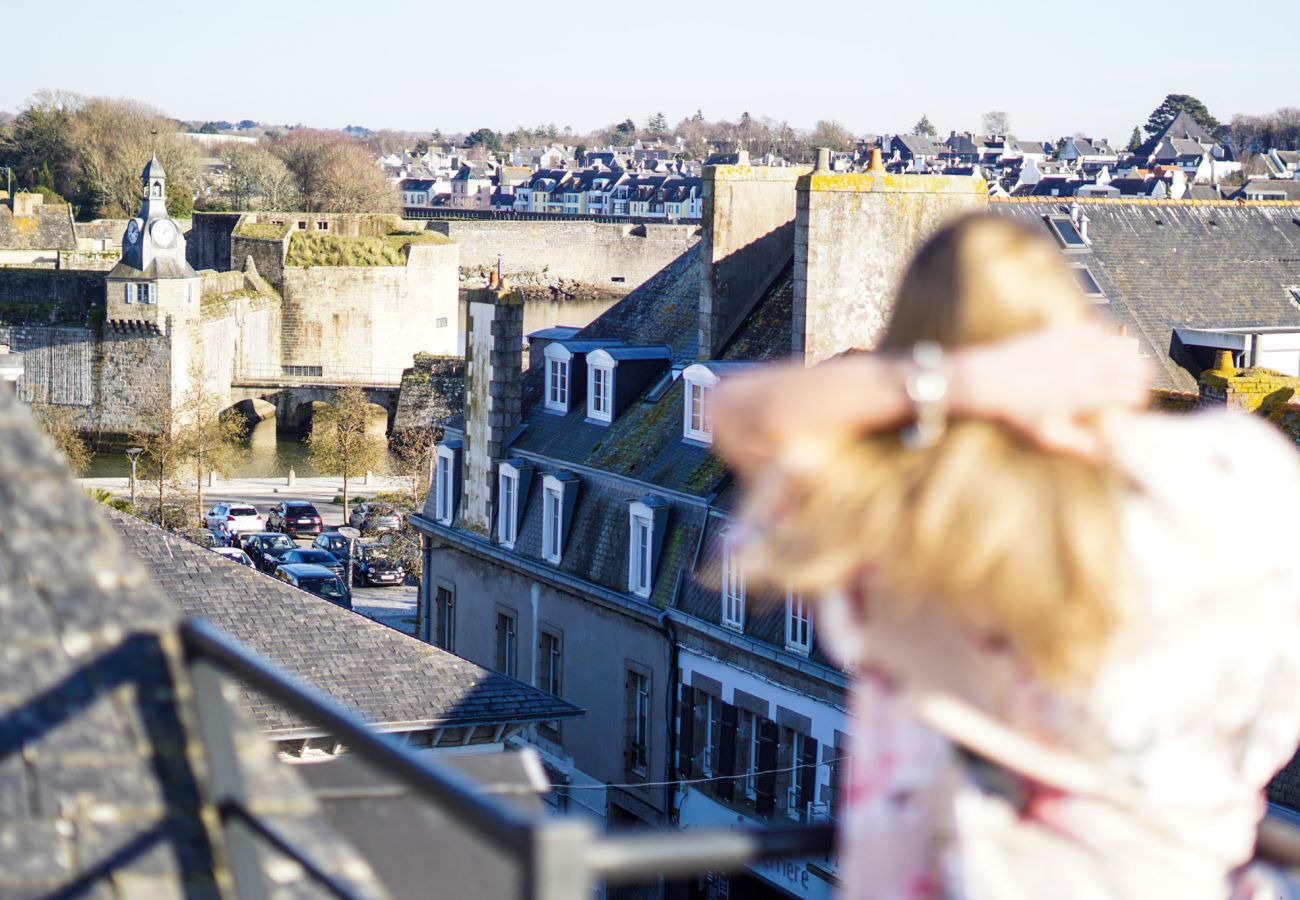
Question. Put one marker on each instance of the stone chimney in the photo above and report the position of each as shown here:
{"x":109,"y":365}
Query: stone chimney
{"x":494,"y":337}
{"x":26,"y":205}
{"x":1249,"y":389}
{"x":748,"y":241}
{"x":854,"y":236}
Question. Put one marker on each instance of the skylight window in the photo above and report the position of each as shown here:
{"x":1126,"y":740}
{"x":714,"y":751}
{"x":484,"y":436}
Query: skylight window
{"x":1087,"y":283}
{"x":1068,"y":236}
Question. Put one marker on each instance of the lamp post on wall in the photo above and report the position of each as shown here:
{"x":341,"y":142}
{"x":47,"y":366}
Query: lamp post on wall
{"x":133,"y":454}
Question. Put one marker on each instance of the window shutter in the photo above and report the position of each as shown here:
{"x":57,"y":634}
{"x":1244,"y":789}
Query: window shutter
{"x":727,"y":753}
{"x":701,"y":730}
{"x":807,"y":776}
{"x":629,"y":720}
{"x":686,"y":732}
{"x":765,"y":782}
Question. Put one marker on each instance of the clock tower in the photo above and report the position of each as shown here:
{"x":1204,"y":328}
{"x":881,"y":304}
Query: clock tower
{"x":153,"y":282}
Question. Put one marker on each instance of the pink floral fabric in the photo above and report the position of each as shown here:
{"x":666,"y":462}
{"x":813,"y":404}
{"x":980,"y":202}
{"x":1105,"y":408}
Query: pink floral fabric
{"x":1195,"y":706}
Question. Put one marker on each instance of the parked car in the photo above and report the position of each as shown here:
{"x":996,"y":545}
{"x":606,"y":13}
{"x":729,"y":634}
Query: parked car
{"x":374,"y":566}
{"x":335,"y":543}
{"x":266,"y":548}
{"x":370,"y":518}
{"x":239,"y":518}
{"x":315,"y":557}
{"x":236,"y":554}
{"x":295,"y":517}
{"x":205,"y":537}
{"x":316,"y":580}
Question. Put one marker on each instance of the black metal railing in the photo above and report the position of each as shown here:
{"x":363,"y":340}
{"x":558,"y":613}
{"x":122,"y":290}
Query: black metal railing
{"x":559,"y":858}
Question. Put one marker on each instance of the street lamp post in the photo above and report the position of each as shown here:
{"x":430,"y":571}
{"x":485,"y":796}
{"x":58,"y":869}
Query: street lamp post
{"x":133,"y":454}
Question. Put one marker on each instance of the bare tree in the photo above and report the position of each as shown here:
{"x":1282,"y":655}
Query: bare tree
{"x":159,"y":436}
{"x":114,"y":139}
{"x":831,"y":134}
{"x":340,"y":443}
{"x":413,"y":449}
{"x":996,"y":122}
{"x":211,"y":438}
{"x":335,"y":173}
{"x":254,"y":177}
{"x":57,"y":422}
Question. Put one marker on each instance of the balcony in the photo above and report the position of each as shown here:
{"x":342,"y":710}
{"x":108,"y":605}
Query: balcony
{"x":529,"y":856}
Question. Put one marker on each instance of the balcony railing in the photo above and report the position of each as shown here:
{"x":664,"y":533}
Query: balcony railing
{"x":559,"y":858}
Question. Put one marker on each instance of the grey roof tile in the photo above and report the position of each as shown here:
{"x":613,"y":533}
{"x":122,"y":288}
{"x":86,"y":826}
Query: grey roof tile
{"x":386,"y":676}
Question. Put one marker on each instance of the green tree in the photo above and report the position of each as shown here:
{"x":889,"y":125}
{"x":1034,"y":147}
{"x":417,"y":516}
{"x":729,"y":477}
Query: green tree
{"x":658,"y":124}
{"x":925,"y":127}
{"x":340,"y":443}
{"x":485,"y":137}
{"x":413,"y":450}
{"x":1172,"y":105}
{"x":1135,"y":139}
{"x":209,"y":128}
{"x":421,"y":147}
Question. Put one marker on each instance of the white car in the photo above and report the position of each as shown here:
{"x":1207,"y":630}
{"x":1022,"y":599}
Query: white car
{"x":238,"y":518}
{"x":236,"y":554}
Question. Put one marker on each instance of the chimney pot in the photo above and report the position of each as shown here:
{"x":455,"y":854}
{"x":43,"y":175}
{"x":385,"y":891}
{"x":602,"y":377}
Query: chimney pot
{"x":823,"y":159}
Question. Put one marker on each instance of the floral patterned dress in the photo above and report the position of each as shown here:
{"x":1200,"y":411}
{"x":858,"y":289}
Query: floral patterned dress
{"x":1146,"y":784}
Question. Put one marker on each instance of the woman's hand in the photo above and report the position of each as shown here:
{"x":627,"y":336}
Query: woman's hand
{"x":1047,"y":385}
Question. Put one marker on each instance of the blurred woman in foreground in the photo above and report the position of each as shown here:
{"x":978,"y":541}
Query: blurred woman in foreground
{"x":1075,"y":679}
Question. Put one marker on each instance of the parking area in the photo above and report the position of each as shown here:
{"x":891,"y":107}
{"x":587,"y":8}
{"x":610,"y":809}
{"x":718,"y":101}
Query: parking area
{"x":392,"y":606}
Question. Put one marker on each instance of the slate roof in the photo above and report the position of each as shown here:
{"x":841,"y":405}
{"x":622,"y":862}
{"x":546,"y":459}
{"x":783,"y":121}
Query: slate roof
{"x":1269,"y":189}
{"x":158,"y":268}
{"x":1193,"y":265}
{"x":1181,"y":126}
{"x":388,"y":677}
{"x":50,"y":228}
{"x":99,"y":762}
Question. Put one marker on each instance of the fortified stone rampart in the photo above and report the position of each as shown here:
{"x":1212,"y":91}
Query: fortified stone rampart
{"x":49,"y":297}
{"x":611,"y":258}
{"x":208,"y":244}
{"x":346,"y":320}
{"x":88,"y":260}
{"x":433,"y":391}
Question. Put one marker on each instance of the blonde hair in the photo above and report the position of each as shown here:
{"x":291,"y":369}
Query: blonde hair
{"x":1015,"y":544}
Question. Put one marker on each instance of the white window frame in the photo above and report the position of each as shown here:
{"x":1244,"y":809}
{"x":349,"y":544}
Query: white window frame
{"x":700,"y":381}
{"x":600,"y":404}
{"x":445,"y":485}
{"x":641,"y":536}
{"x":557,"y":396}
{"x":552,"y":520}
{"x":507,"y":506}
{"x":798,"y":623}
{"x":148,"y":294}
{"x":733,"y":584}
{"x":129,"y":295}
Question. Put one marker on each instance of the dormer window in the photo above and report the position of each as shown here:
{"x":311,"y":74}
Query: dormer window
{"x":446,"y":483}
{"x":798,"y":623}
{"x":600,"y":392}
{"x":733,"y":584}
{"x":557,"y":383}
{"x":700,"y":380}
{"x":513,"y":477}
{"x":559,"y":493}
{"x":647,"y":521}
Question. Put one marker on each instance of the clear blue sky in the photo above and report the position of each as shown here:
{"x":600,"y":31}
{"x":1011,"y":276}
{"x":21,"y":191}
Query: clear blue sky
{"x":1056,"y":68}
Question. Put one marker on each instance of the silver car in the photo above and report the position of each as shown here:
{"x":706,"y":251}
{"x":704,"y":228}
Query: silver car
{"x":374,"y":517}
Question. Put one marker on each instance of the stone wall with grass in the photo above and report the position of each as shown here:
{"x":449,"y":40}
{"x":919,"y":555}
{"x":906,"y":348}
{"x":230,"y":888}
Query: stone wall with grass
{"x":368,"y":320}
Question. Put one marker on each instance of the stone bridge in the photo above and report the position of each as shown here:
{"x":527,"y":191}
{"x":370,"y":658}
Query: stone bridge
{"x":290,"y":400}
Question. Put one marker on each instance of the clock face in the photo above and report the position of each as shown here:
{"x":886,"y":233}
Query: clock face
{"x":163,"y":232}
{"x":132,"y":232}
